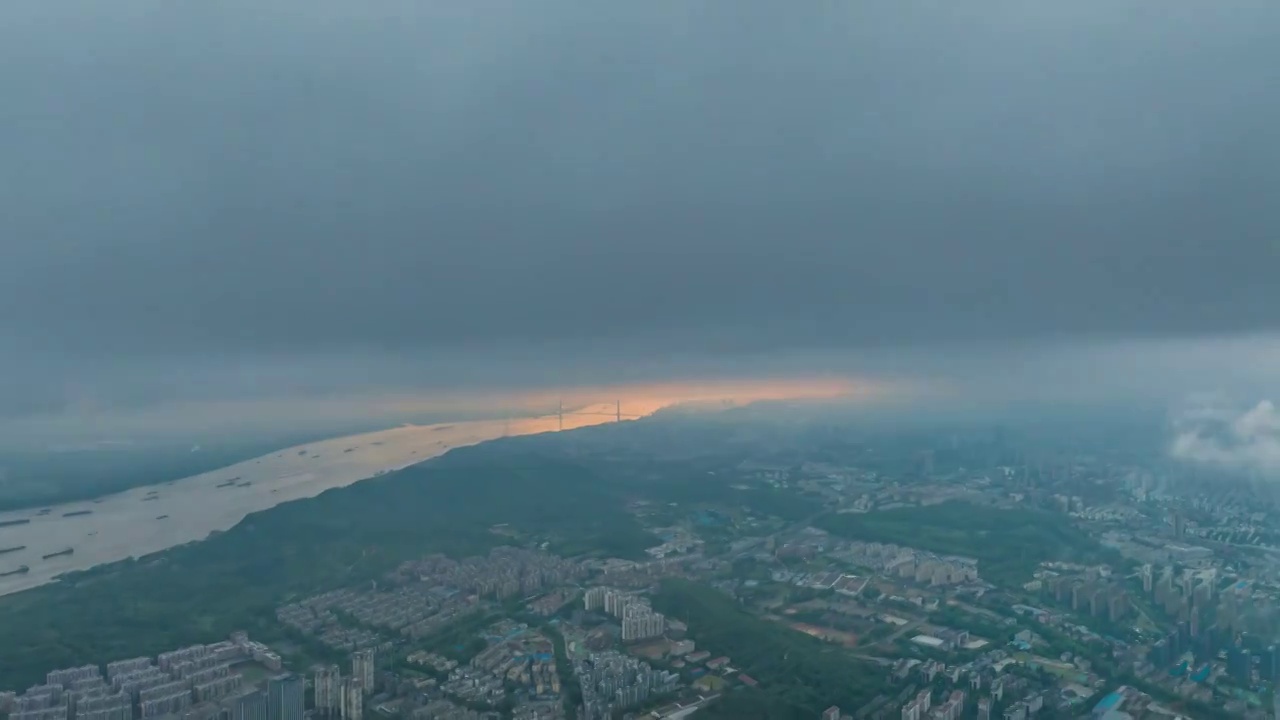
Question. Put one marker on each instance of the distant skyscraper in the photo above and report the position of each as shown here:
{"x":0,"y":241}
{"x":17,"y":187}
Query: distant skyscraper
{"x":251,"y":705}
{"x":364,"y":668}
{"x":1239,"y":664}
{"x":615,"y":602}
{"x":1271,"y":665}
{"x":352,"y":692}
{"x":926,"y":463}
{"x":328,"y":700}
{"x":640,"y":621}
{"x":593,"y":599}
{"x":925,"y":699}
{"x":285,"y":697}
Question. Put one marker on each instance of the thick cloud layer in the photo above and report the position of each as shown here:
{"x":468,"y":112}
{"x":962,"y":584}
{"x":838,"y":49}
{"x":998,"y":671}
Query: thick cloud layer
{"x":192,"y":188}
{"x":1245,"y":442}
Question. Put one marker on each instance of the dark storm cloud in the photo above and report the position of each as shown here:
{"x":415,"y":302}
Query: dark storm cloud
{"x":232,"y":179}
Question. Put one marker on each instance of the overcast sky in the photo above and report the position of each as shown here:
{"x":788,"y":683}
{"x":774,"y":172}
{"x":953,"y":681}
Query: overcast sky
{"x":234,"y":197}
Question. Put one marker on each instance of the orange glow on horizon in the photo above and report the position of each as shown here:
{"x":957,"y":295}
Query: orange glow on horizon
{"x":642,"y":399}
{"x":587,"y":406}
{"x":646,"y":399}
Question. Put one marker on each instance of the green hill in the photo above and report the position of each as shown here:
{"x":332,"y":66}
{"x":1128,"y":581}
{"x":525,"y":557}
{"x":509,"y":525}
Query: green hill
{"x":799,"y":675}
{"x":1008,"y":544}
{"x":201,"y":591}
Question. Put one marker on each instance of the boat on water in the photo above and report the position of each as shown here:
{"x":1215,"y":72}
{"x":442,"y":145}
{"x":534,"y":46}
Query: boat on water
{"x":244,"y":484}
{"x":60,"y":553}
{"x":19,"y":521}
{"x":16,"y":571}
{"x":228,"y":483}
{"x":161,"y":517}
{"x":75,"y":513}
{"x":15,"y":548}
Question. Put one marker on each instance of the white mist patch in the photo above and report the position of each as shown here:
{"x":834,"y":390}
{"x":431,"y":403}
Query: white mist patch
{"x":1213,"y":434}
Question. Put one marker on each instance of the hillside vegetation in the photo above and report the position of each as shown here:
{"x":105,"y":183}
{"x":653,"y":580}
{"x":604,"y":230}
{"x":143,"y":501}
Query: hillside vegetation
{"x":799,"y":675}
{"x":201,"y":591}
{"x":1008,"y":544}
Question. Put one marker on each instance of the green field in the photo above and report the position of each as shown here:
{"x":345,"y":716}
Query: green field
{"x":1008,"y":544}
{"x":799,"y":675}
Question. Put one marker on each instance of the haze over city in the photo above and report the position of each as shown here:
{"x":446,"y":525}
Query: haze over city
{"x":242,"y":201}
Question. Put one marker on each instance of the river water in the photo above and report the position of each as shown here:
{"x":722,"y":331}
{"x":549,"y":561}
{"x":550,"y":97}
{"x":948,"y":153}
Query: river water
{"x":152,"y":518}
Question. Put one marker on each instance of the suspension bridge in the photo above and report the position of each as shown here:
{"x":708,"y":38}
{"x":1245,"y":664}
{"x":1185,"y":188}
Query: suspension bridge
{"x":588,"y":410}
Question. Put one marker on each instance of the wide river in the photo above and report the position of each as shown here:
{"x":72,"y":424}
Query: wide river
{"x":148,"y":519}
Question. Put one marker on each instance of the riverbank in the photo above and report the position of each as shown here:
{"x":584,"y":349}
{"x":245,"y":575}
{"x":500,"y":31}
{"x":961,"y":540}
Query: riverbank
{"x":148,"y":519}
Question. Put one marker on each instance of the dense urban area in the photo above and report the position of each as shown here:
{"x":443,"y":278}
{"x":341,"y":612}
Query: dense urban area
{"x":730,"y":566}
